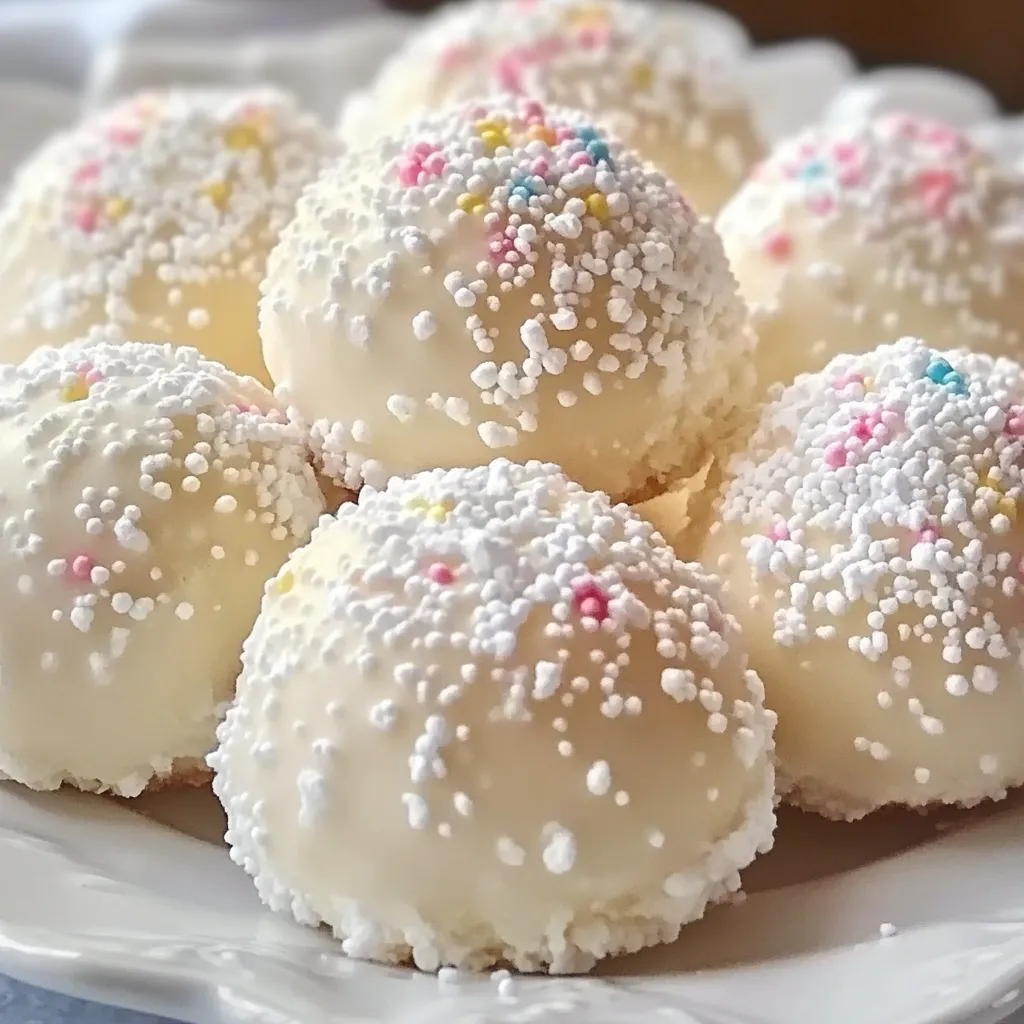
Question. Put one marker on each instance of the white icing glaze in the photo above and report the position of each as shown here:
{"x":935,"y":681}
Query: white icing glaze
{"x":869,"y":230}
{"x":870,"y":545}
{"x":147,"y":496}
{"x":504,"y":278}
{"x":152,"y":221}
{"x":638,"y":70}
{"x":485,"y":715}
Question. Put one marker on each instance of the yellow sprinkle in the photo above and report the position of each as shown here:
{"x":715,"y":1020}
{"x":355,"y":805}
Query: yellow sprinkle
{"x":284,"y":582}
{"x":470,"y":203}
{"x":542,"y":133}
{"x":439,"y":511}
{"x":993,"y":482}
{"x":869,"y":383}
{"x":1008,"y":507}
{"x":597,"y":205}
{"x":77,"y":391}
{"x":116,"y":207}
{"x":489,"y":125}
{"x":242,"y":136}
{"x":494,"y":140}
{"x":218,"y":192}
{"x":587,"y":14}
{"x":436,"y":510}
{"x":642,"y":75}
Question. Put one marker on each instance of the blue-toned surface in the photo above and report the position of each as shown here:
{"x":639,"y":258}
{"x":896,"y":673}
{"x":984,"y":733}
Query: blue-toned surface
{"x":22,"y":1004}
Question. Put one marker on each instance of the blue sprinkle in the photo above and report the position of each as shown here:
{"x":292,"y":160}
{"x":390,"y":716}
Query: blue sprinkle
{"x":598,"y":151}
{"x":814,"y":169}
{"x":587,"y":134}
{"x":955,"y":382}
{"x":938,"y":371}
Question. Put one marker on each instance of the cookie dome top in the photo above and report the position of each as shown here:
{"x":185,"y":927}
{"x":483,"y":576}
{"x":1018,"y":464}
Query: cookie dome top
{"x":859,"y":231}
{"x":872,"y":531}
{"x":541,"y":705}
{"x":503,"y":278}
{"x":625,"y":63}
{"x":152,"y":221}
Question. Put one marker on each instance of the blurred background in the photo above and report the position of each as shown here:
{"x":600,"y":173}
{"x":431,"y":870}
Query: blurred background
{"x":980,"y":38}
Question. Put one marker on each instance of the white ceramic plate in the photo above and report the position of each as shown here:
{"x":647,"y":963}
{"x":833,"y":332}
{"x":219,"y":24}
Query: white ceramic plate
{"x":139,"y":905}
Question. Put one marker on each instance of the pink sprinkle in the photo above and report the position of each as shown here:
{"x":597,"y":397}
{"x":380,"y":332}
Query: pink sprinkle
{"x":533,"y":110}
{"x":564,"y":134}
{"x":89,"y":170}
{"x":92,"y":376}
{"x":780,"y":531}
{"x":423,"y":149}
{"x":846,"y":381}
{"x":82,"y":566}
{"x":441,"y":574}
{"x":836,"y":455}
{"x":844,"y":151}
{"x":86,"y":218}
{"x":590,"y":599}
{"x":409,"y":173}
{"x":1015,"y":421}
{"x":928,"y":534}
{"x":944,"y":135}
{"x":936,"y":187}
{"x":455,"y":56}
{"x":592,"y":36}
{"x":578,"y":160}
{"x":509,"y":69}
{"x":503,"y":249}
{"x":779,"y":245}
{"x":124,"y":134}
{"x":540,"y":167}
{"x":821,"y":205}
{"x":848,"y":177}
{"x":435,"y":164}
{"x":864,"y":428}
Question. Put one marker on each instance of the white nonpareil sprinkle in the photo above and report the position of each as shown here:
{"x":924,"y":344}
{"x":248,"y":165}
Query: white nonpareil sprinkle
{"x":462,"y":626}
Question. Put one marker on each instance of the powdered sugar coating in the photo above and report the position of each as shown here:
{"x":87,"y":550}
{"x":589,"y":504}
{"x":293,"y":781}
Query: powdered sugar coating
{"x":147,"y":496}
{"x":865,"y":230}
{"x":504,"y":278}
{"x":629,"y":66}
{"x":152,"y":221}
{"x":485,"y":716}
{"x":870,"y":545}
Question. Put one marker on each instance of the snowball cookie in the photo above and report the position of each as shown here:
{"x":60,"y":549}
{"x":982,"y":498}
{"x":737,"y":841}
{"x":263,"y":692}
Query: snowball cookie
{"x":153,"y":221}
{"x":644,"y":75}
{"x":148,"y":496}
{"x":504,"y":279}
{"x":861,"y":231}
{"x":485,"y":716}
{"x":870,"y":543}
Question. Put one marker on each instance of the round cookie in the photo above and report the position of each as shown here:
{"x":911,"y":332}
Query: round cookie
{"x":876,"y":229}
{"x":148,"y":496}
{"x":512,"y":727}
{"x":152,"y":222}
{"x":504,"y":280}
{"x":641,"y":73}
{"x":870,"y":544}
